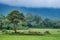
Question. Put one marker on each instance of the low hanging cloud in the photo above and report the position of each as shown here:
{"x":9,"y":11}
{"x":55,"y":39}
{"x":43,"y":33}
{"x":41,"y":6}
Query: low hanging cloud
{"x":32,"y":3}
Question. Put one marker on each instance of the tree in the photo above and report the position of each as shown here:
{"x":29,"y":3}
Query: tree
{"x":37,"y":18}
{"x":29,"y":17}
{"x":47,"y":22}
{"x":2,"y":17}
{"x":56,"y":24}
{"x":14,"y":17}
{"x":37,"y":21}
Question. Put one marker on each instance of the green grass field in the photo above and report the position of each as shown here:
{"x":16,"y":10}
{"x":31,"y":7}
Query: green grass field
{"x":55,"y":35}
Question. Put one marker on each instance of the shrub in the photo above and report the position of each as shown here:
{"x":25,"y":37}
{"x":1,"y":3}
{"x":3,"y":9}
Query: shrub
{"x":34,"y":33}
{"x":22,"y":28}
{"x":47,"y":32}
{"x":5,"y":31}
{"x":58,"y":31}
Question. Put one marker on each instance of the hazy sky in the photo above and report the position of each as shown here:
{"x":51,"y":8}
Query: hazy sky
{"x":32,"y":3}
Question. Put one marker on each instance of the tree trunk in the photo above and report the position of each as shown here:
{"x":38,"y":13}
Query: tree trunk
{"x":15,"y":28}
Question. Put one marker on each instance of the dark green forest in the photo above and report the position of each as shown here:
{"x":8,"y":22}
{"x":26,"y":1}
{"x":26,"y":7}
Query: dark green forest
{"x":17,"y":20}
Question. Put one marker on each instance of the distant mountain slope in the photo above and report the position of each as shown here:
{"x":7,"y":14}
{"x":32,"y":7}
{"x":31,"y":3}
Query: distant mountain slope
{"x":52,"y":13}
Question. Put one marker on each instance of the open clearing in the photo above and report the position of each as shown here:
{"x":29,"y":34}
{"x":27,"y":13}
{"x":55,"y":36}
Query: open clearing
{"x":55,"y":35}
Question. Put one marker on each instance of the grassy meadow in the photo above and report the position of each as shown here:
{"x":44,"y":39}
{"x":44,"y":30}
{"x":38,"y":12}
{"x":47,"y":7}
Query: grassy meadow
{"x":55,"y":35}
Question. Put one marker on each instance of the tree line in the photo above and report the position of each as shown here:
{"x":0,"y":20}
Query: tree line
{"x":17,"y":20}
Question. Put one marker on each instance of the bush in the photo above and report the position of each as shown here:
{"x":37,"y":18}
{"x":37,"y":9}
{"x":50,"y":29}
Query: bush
{"x":5,"y":31}
{"x":34,"y":33}
{"x":47,"y":32}
{"x":58,"y":31}
{"x":20,"y":27}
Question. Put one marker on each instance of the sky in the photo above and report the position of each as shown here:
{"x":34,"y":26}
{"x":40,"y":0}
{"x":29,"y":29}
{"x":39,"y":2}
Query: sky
{"x":44,"y":8}
{"x":32,"y":3}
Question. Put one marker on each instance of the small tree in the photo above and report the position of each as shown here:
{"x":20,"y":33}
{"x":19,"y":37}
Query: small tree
{"x":14,"y":17}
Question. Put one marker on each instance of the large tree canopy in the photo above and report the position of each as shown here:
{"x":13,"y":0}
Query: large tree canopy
{"x":14,"y":17}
